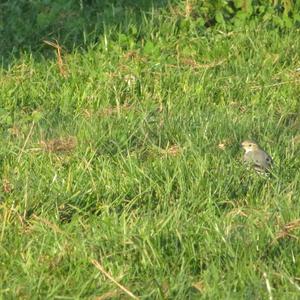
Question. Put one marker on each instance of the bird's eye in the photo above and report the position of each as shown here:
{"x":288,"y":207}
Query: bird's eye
{"x":250,"y":145}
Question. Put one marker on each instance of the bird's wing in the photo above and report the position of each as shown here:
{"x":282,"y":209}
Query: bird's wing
{"x":260,"y":160}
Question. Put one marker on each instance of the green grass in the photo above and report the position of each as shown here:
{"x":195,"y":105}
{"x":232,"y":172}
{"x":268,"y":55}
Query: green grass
{"x":147,"y":192}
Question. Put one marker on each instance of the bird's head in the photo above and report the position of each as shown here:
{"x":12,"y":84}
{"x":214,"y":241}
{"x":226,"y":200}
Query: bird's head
{"x":249,"y":145}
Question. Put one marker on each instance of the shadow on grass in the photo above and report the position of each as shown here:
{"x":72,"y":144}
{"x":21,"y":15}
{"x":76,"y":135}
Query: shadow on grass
{"x":25,"y":24}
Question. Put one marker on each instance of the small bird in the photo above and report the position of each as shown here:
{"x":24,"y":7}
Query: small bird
{"x":256,"y":157}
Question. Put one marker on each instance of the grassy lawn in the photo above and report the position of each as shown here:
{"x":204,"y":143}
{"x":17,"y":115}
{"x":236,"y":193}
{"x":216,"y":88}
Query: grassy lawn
{"x":122,"y":163}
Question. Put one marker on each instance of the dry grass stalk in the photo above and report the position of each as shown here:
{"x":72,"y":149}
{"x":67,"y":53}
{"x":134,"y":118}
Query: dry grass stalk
{"x":173,"y":150}
{"x":109,"y":295}
{"x":116,"y":109}
{"x":230,"y":33}
{"x":237,"y":212}
{"x":199,"y":286}
{"x":258,"y":87}
{"x":288,"y":228}
{"x":133,"y":55}
{"x":49,"y":224}
{"x":186,"y":11}
{"x":6,"y":186}
{"x":188,"y":8}
{"x":87,"y":113}
{"x":195,"y":65}
{"x":61,"y":66}
{"x":238,"y":105}
{"x":123,"y":288}
{"x":59,"y":145}
{"x":130,"y":54}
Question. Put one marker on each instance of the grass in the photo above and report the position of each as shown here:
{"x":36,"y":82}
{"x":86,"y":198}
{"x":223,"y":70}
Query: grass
{"x":130,"y":158}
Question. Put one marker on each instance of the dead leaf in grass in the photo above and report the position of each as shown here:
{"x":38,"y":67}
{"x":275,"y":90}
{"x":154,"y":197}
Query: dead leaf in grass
{"x":59,"y":145}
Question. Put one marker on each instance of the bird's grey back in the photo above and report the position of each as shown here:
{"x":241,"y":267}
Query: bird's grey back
{"x":259,"y":159}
